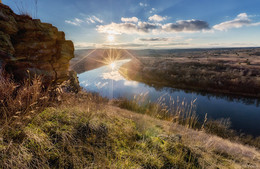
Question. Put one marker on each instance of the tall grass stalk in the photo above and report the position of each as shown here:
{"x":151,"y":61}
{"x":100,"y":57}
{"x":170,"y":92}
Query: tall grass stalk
{"x":180,"y":112}
{"x":23,"y":7}
{"x":19,"y":101}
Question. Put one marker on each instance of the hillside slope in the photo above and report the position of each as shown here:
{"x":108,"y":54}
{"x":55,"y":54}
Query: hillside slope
{"x":86,"y":131}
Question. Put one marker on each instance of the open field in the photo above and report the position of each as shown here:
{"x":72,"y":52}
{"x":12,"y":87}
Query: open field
{"x":227,"y":71}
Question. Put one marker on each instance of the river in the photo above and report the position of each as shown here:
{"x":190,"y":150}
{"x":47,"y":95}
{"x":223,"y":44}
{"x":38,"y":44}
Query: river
{"x":244,"y":113}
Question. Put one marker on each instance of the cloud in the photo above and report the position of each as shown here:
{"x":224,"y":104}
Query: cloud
{"x":240,"y":21}
{"x":154,"y":39}
{"x":86,"y":45}
{"x":127,"y":28}
{"x":186,"y":26}
{"x":152,"y":10}
{"x":79,"y":45}
{"x":75,"y":21}
{"x":170,"y":44}
{"x":93,"y":19}
{"x":146,"y":45}
{"x":143,"y":4}
{"x":157,"y":18}
{"x":147,"y":27}
{"x":117,"y":28}
{"x":133,"y":19}
{"x":124,"y":45}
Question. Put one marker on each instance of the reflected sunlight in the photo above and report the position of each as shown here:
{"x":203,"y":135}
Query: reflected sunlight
{"x":112,"y":65}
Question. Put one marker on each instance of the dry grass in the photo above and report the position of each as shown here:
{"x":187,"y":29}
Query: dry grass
{"x":184,"y":113}
{"x":23,"y":10}
{"x":214,"y":152}
{"x":177,"y":111}
{"x":19,"y":102}
{"x":85,"y":131}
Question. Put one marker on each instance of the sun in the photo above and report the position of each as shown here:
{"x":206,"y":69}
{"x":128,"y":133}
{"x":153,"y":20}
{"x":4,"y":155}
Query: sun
{"x":112,"y":65}
{"x":111,"y":38}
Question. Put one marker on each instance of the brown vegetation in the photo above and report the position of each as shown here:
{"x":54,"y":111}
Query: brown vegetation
{"x":218,"y":72}
{"x":85,"y":131}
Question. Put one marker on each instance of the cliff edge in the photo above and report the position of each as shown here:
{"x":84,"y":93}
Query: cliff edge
{"x":28,"y":45}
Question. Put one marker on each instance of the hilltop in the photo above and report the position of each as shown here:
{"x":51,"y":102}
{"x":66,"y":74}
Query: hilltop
{"x":48,"y":124}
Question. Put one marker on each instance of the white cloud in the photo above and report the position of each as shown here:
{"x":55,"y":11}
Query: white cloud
{"x":133,"y":19}
{"x":240,"y":21}
{"x":117,"y":28}
{"x":152,"y":10}
{"x":93,"y":19}
{"x":125,"y":45}
{"x":147,"y":27}
{"x":143,"y":4}
{"x":128,"y":28}
{"x":75,"y":21}
{"x":157,"y":18}
{"x":79,"y":45}
{"x":97,"y":19}
{"x":157,"y":39}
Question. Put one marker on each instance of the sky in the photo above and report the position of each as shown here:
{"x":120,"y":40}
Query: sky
{"x":150,"y":24}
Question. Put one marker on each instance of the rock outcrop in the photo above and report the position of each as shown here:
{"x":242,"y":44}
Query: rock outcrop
{"x":28,"y":46}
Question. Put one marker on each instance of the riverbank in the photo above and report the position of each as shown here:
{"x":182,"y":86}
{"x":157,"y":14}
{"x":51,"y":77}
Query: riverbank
{"x":236,"y":74}
{"x":84,"y":130}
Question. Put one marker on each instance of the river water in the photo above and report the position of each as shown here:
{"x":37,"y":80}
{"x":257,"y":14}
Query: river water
{"x":244,"y":113}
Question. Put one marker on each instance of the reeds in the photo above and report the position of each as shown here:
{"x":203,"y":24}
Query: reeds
{"x":177,"y":111}
{"x":184,"y":113}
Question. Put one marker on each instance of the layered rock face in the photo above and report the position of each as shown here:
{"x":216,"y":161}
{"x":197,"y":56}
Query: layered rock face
{"x":28,"y":47}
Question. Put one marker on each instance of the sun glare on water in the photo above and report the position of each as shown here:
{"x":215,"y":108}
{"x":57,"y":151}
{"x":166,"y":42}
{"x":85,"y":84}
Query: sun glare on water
{"x":110,"y":38}
{"x":112,"y":65}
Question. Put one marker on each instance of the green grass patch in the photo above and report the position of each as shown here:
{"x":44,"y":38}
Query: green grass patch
{"x":74,"y":138}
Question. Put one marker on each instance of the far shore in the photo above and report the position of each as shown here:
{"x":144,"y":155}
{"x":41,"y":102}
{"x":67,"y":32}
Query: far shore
{"x":235,"y":72}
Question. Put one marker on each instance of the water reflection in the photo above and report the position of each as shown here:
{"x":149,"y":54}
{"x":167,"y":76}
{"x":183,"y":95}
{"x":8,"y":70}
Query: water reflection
{"x":244,"y":113}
